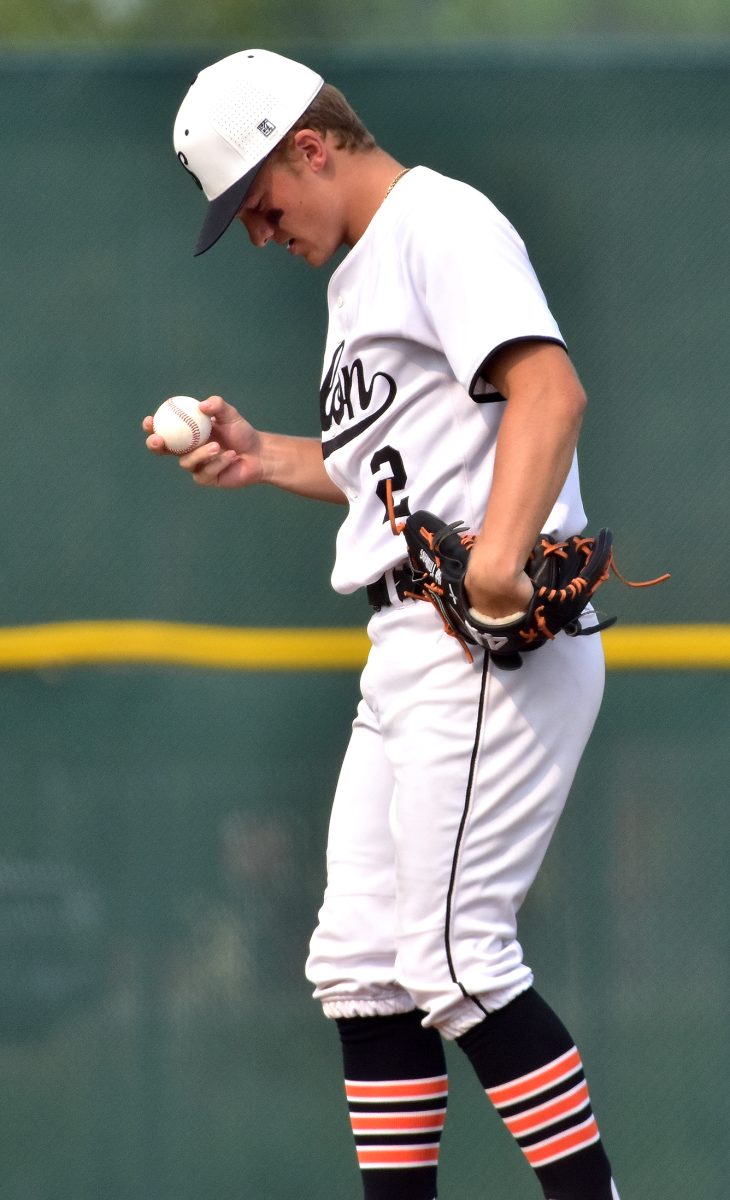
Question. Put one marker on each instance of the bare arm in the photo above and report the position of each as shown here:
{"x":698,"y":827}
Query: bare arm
{"x":238,"y":456}
{"x":535,"y":446}
{"x":296,"y":465}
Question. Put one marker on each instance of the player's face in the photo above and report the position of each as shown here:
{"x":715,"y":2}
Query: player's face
{"x":289,"y":205}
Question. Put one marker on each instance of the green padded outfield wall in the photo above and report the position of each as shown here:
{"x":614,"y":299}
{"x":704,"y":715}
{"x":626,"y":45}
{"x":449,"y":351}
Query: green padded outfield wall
{"x":162,"y":828}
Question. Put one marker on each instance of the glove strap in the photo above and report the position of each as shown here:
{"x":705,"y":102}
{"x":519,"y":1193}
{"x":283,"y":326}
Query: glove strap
{"x":575,"y":629}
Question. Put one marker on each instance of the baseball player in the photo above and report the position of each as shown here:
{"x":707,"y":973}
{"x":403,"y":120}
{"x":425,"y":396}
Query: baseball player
{"x":446,"y":386}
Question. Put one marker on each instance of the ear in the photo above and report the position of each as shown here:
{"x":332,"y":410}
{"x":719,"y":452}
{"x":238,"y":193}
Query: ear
{"x":311,"y":148}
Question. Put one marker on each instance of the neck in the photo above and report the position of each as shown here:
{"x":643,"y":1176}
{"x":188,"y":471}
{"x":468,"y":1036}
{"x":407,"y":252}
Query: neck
{"x":366,"y":178}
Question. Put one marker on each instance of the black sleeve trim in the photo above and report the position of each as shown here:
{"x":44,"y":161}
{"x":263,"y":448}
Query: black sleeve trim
{"x":482,"y":373}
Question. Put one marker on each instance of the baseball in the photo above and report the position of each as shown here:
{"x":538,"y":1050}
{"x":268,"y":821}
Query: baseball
{"x":181,"y":424}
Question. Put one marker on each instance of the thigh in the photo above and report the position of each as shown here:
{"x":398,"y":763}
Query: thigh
{"x":352,"y":952}
{"x":360,"y":853}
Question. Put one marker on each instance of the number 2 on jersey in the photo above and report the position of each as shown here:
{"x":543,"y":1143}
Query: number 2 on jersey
{"x":387,"y":485}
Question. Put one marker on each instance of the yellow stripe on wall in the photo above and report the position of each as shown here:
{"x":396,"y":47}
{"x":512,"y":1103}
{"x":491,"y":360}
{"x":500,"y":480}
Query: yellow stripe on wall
{"x":216,"y":646}
{"x":668,"y":647}
{"x":633,"y":647}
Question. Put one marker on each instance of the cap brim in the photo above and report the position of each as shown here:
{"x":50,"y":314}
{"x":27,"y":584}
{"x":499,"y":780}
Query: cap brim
{"x":222,"y":211}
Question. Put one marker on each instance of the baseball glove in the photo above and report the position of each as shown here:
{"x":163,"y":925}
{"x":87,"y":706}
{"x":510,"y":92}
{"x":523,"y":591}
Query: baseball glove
{"x":564,"y":574}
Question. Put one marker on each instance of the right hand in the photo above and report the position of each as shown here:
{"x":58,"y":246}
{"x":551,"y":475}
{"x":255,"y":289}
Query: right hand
{"x":230,"y":459}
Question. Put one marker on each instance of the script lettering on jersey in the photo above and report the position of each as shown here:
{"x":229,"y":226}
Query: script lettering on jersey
{"x":348,"y":402}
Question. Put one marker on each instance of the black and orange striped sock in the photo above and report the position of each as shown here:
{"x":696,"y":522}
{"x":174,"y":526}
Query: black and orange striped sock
{"x":530,"y":1069}
{"x":396,"y":1087}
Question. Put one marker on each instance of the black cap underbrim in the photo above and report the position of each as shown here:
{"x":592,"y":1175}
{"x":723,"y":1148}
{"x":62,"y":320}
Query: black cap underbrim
{"x":222,"y":211}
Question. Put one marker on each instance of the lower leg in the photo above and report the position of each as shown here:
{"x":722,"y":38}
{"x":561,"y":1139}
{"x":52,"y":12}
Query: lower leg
{"x":531,"y":1071}
{"x":396,"y":1087}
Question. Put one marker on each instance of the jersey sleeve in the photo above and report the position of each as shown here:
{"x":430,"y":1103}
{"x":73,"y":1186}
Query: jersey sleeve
{"x":477,"y":284}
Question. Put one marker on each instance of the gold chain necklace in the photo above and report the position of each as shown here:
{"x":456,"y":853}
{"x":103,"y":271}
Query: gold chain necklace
{"x":393,"y":182}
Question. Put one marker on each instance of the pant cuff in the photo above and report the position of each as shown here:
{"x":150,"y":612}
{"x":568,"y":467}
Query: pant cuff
{"x":368,"y":1006}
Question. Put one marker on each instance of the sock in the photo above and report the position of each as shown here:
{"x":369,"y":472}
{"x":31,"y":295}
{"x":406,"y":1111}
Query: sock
{"x":396,"y":1087}
{"x":531,"y":1070}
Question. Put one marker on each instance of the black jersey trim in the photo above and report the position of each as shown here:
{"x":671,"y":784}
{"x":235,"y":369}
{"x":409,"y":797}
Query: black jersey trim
{"x":482,"y":370}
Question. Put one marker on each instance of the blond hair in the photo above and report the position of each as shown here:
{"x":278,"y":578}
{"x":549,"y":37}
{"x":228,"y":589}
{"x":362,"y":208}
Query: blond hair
{"x":330,"y":112}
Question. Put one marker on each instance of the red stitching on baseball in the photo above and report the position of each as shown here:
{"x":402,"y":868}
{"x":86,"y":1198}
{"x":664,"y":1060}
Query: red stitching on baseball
{"x":192,"y":425}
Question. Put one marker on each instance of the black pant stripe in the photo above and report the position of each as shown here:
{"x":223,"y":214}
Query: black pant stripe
{"x":460,"y":837}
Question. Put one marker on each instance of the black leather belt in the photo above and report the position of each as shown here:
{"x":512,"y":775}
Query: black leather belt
{"x":378,"y":595}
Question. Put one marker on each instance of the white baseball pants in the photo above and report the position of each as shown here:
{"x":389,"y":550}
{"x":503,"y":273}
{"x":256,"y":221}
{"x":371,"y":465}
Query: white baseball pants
{"x":450,"y":790}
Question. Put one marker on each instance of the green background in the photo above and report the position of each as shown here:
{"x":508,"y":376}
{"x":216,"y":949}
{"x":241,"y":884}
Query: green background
{"x":162,"y":831}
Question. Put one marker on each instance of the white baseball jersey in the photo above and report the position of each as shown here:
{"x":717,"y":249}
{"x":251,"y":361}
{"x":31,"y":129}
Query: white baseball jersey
{"x":439,"y":281}
{"x":456,"y":771}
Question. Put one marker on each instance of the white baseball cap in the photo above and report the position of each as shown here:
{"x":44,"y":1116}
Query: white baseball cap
{"x":234,"y":114}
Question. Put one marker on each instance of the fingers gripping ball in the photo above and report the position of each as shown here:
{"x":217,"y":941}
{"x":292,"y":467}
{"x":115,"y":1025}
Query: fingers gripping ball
{"x":181,"y":424}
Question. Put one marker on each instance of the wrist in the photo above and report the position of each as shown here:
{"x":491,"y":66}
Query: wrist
{"x":497,"y":593}
{"x":498,"y":569}
{"x":272,"y":458}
